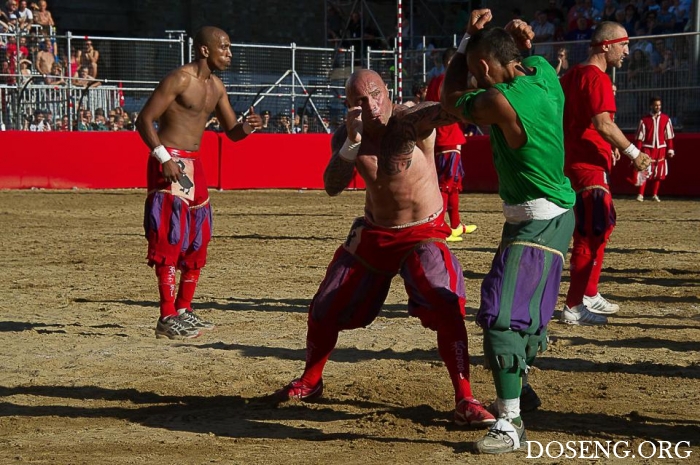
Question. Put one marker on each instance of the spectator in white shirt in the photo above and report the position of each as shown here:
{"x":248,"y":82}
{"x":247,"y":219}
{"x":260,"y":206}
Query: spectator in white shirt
{"x":39,"y":124}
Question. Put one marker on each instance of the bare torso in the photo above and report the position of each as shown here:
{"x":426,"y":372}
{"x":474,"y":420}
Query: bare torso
{"x":402,"y":185}
{"x":182,"y":124}
{"x":44,"y":62}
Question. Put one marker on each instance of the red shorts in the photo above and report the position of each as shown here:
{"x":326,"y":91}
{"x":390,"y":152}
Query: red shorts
{"x":358,"y":278}
{"x":178,"y":230}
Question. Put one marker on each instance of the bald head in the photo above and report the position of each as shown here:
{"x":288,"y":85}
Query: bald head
{"x":362,"y":77}
{"x":208,"y":36}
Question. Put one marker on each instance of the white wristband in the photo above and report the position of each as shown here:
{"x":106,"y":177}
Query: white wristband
{"x":348,"y":151}
{"x":161,"y":154}
{"x":632,"y":152}
{"x":463,"y":44}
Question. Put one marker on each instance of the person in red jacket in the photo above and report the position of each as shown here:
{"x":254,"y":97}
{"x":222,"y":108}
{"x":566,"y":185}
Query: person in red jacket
{"x":655,"y":138}
{"x":448,"y":159}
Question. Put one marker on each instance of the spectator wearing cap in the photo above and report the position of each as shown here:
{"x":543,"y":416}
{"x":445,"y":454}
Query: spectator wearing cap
{"x":266,"y":126}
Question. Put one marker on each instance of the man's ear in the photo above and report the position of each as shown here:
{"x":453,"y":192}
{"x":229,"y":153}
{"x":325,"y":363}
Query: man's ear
{"x":484,"y":66}
{"x":204,"y":50}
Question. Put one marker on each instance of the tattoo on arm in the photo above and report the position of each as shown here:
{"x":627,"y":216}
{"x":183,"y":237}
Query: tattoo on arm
{"x":427,"y":116}
{"x":405,"y":130}
{"x":339,"y":172}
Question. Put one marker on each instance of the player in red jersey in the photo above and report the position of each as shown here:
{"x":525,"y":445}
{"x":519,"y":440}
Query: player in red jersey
{"x":590,"y":134}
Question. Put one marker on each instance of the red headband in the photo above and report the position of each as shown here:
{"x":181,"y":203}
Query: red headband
{"x":611,"y":41}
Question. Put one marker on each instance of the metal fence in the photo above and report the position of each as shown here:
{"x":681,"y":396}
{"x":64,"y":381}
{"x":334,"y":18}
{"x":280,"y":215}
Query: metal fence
{"x":291,"y":81}
{"x":299,"y":84}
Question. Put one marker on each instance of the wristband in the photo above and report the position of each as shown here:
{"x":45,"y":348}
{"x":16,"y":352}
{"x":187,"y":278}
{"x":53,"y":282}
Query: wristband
{"x":632,"y":152}
{"x":161,"y":154}
{"x":463,"y":44}
{"x":671,"y":152}
{"x":348,"y":151}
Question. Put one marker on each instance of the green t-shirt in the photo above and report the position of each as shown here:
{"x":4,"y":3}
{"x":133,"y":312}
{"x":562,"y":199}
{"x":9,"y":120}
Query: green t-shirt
{"x":535,"y":170}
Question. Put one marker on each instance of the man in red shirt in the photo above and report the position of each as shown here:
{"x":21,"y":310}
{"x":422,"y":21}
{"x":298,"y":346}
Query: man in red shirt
{"x":590,"y":134}
{"x":448,"y":159}
{"x":655,"y":138}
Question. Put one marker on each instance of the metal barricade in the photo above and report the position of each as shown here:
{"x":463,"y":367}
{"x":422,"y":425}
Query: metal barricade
{"x":288,"y":80}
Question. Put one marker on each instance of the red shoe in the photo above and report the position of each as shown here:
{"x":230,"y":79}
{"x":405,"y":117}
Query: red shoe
{"x":470,"y":412}
{"x":298,"y":390}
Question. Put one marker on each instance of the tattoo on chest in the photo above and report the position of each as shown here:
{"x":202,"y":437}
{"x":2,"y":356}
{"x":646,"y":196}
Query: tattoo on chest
{"x":396,"y":151}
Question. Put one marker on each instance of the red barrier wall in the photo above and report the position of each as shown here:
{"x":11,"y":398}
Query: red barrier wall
{"x":480,"y":174}
{"x":87,"y":160}
{"x":60,"y":160}
{"x":274,"y":161}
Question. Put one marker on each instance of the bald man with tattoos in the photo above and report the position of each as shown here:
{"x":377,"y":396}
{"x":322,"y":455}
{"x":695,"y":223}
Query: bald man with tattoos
{"x":402,"y":232}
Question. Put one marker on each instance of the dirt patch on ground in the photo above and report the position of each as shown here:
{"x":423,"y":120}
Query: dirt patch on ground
{"x":84,"y":380}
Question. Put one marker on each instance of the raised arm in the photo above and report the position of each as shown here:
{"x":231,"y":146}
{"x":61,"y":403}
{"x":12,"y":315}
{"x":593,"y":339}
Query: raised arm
{"x":423,"y":118}
{"x":456,"y":81}
{"x":345,"y":145}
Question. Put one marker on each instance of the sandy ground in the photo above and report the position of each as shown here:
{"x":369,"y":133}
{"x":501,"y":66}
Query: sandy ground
{"x":84,"y":380}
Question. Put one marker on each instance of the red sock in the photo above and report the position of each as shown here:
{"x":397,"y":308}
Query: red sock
{"x":452,"y":345}
{"x":188,"y":284}
{"x":655,"y":187}
{"x":580,"y":266}
{"x":594,"y":278}
{"x":453,"y":209}
{"x":320,"y":342}
{"x":166,"y":288}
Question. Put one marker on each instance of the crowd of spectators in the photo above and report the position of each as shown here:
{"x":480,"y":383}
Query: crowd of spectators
{"x":113,"y":120}
{"x":29,"y":51}
{"x":41,"y":62}
{"x":575,"y":20}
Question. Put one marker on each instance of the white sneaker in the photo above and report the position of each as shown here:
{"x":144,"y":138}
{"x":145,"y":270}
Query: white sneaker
{"x":640,"y":198}
{"x":600,"y":305}
{"x":501,"y":438}
{"x":656,"y":198}
{"x":579,"y":315}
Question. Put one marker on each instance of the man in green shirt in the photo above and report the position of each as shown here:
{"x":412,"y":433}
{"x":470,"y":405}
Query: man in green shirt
{"x":522,"y":101}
